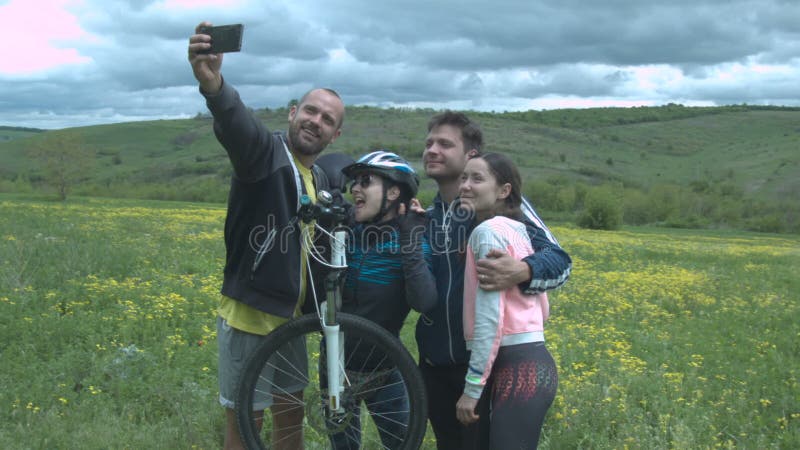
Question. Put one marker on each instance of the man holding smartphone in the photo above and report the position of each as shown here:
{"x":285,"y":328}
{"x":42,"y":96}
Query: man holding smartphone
{"x":271,"y":172}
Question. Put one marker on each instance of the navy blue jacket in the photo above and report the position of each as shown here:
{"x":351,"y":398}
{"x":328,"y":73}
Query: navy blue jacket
{"x":440,"y":331}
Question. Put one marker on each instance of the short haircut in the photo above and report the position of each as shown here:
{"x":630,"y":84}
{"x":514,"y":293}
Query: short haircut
{"x":329,"y":91}
{"x":471,"y":133}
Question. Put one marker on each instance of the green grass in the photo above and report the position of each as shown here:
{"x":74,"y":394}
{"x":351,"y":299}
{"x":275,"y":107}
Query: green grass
{"x":663,"y":338}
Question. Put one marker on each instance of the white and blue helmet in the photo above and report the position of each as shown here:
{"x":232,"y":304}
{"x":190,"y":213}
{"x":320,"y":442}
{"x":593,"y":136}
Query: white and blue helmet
{"x":388,"y":165}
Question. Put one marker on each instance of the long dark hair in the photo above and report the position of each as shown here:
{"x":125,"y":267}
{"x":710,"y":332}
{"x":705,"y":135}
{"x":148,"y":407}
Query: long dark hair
{"x":505,"y":171}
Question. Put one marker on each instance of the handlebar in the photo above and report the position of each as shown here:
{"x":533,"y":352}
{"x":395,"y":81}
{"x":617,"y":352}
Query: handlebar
{"x":324,"y":209}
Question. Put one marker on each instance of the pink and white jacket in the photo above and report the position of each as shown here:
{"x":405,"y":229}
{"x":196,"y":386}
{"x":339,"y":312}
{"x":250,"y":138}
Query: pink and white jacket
{"x":495,"y":319}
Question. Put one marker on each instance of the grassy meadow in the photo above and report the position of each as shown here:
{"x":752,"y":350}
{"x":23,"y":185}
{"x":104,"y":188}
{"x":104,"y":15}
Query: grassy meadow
{"x":664,"y":338}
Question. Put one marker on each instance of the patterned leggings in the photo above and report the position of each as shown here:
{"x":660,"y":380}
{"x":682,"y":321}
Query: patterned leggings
{"x":516,"y":398}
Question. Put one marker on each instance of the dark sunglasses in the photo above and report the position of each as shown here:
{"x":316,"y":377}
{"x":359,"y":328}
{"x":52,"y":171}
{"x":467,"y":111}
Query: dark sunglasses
{"x":363,"y":180}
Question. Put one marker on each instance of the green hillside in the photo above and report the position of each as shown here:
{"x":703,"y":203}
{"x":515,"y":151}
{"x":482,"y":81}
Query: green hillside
{"x":745,"y":151}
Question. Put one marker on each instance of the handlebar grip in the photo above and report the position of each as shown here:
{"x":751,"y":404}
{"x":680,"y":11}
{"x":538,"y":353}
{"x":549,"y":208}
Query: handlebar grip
{"x":323,"y":209}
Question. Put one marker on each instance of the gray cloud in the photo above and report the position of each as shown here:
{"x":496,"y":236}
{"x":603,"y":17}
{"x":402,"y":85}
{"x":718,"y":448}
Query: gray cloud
{"x":502,"y":55}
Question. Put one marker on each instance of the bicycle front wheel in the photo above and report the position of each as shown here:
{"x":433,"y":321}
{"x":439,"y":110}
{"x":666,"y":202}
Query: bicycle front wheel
{"x":384,"y":401}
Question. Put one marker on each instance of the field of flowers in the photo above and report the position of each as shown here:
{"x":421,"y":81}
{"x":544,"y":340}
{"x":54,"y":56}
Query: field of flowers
{"x":663,"y":338}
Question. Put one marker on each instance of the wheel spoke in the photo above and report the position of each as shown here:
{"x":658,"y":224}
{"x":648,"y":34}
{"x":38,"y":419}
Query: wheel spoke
{"x":383,"y":399}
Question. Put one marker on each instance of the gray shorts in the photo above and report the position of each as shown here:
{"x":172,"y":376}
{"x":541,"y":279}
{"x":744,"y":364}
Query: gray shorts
{"x":286,"y":374}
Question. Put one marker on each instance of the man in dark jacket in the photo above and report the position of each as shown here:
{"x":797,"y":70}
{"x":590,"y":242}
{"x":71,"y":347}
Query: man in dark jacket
{"x":452,"y":139}
{"x":262,"y":234}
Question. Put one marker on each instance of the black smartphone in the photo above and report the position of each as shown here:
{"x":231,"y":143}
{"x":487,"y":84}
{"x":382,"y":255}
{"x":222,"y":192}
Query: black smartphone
{"x":224,"y":38}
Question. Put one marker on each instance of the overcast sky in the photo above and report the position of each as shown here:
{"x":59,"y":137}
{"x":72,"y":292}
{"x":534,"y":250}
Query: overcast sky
{"x":69,"y":63}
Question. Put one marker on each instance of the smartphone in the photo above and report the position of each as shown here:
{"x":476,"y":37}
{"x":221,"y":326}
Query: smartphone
{"x":224,"y":38}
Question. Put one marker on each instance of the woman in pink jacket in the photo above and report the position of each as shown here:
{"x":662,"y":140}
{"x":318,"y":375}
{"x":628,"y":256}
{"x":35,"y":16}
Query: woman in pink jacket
{"x":510,"y":369}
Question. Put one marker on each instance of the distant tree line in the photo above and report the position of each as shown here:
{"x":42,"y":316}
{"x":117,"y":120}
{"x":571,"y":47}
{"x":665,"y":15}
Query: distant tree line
{"x":605,"y":117}
{"x":7,"y":128}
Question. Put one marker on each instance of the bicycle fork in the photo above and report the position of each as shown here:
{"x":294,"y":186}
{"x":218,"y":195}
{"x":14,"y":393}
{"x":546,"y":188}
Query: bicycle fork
{"x":334,"y":338}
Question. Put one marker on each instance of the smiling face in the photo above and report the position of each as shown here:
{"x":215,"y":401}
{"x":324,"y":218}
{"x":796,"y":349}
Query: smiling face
{"x":479,"y":190}
{"x":314,"y":123}
{"x":444,"y":156}
{"x":367,"y":191}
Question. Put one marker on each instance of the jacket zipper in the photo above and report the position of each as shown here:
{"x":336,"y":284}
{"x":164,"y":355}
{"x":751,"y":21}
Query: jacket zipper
{"x":449,"y":281}
{"x":262,"y":250}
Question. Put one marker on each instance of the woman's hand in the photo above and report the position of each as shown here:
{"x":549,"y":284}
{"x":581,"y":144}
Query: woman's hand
{"x":465,"y":410}
{"x":412,"y":221}
{"x":414,"y":208}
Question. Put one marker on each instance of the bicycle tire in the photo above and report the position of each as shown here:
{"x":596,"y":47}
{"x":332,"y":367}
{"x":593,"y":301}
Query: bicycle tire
{"x":316,"y":428}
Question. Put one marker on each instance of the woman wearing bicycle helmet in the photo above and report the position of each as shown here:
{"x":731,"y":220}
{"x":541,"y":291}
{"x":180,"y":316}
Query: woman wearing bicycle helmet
{"x":388,"y":273}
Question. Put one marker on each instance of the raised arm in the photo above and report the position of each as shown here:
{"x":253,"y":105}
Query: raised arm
{"x":248,"y":143}
{"x":206,"y":67}
{"x":416,"y":256}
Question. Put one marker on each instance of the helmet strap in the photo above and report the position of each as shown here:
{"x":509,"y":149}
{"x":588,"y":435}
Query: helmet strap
{"x":386,"y":205}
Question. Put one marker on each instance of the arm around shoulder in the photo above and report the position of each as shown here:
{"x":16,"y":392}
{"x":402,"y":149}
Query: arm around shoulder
{"x":550,"y":265}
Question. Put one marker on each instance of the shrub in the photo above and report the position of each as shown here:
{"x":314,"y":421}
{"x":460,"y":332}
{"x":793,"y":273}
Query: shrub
{"x":770,"y":223}
{"x":542,"y":193}
{"x":552,"y":194}
{"x":185,"y":139}
{"x":565,"y":198}
{"x":664,"y":201}
{"x":20,"y":185}
{"x":687,"y":221}
{"x":602,"y":210}
{"x":636,"y":207}
{"x":729,"y":189}
{"x":728,"y":213}
{"x":699,"y":186}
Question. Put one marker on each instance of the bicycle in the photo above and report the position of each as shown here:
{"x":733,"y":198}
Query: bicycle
{"x":349,"y":358}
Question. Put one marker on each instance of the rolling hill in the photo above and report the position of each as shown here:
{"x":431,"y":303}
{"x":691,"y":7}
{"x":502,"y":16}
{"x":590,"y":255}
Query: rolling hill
{"x":753,"y":150}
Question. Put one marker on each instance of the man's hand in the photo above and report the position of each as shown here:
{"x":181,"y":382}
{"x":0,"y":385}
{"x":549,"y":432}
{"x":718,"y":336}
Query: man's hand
{"x":465,"y":410}
{"x":499,"y":271}
{"x":206,"y":67}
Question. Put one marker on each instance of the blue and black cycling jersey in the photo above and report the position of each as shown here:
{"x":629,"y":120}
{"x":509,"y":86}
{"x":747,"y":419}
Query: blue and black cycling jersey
{"x":385,"y":279}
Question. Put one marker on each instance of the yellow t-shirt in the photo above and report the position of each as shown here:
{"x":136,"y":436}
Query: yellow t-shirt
{"x":248,"y":319}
